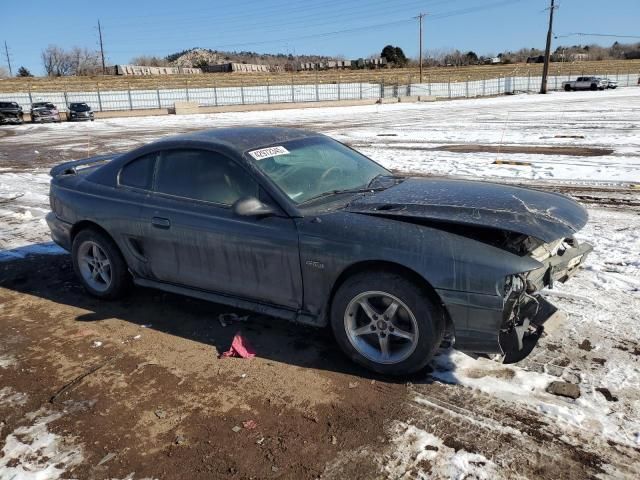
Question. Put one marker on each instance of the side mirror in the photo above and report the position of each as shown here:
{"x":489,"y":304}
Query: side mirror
{"x":252,"y":207}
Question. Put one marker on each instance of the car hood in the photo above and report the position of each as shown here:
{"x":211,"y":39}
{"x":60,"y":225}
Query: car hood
{"x":543,"y":215}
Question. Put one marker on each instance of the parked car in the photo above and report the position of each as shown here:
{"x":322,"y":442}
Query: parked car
{"x":44,"y":112}
{"x":610,"y":83}
{"x":80,"y":111}
{"x":293,"y":224}
{"x":10,"y":112}
{"x":585,"y":83}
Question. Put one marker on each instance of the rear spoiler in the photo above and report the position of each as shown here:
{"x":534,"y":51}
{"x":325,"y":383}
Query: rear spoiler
{"x":71,"y":168}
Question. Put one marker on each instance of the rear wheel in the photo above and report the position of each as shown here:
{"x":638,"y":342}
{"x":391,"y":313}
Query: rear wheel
{"x":594,"y":86}
{"x":99,"y":265}
{"x":386,"y":323}
{"x":567,"y":88}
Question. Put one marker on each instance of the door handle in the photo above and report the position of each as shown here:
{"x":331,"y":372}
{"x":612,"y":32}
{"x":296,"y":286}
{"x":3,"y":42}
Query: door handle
{"x":160,"y":222}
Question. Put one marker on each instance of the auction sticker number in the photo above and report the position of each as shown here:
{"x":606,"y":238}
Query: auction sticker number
{"x":268,"y":152}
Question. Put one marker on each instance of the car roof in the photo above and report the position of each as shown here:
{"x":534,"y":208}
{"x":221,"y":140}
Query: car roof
{"x":242,"y":139}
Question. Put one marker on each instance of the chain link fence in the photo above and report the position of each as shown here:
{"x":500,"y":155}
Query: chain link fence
{"x":135,"y":99}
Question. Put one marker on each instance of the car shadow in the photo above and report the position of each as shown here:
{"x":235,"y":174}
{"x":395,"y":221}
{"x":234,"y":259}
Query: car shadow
{"x":51,"y":277}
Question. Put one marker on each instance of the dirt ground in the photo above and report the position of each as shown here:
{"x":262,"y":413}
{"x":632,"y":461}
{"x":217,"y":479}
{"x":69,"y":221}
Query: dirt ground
{"x":141,"y":379}
{"x":388,"y":75}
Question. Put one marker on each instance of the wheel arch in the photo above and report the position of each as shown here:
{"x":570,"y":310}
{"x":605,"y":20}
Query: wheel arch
{"x":387,"y":266}
{"x":88,"y":225}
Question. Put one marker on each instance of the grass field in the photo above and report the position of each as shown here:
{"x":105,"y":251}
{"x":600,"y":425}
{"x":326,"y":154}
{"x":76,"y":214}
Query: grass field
{"x":390,"y":76}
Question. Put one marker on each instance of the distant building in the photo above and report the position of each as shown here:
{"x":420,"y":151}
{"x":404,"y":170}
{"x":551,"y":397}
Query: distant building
{"x":536,"y":59}
{"x":329,"y":64}
{"x":138,"y":70}
{"x":236,"y":67}
{"x":579,"y":57}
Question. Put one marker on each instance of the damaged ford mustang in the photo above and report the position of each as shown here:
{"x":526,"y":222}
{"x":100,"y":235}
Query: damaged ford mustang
{"x":293,"y":224}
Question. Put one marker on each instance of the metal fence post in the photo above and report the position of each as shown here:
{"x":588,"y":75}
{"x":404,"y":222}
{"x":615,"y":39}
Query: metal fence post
{"x":99,"y":98}
{"x":382,"y":87}
{"x":429,"y":84}
{"x":242,"y":92}
{"x":293,"y":92}
{"x":408,"y":86}
{"x":467,"y":88}
{"x":30,"y":97}
{"x":360,"y":83}
{"x":339,"y":84}
{"x":187,"y":89}
{"x":449,"y":87}
{"x":529,"y":82}
{"x":215,"y":95}
{"x":484,"y":86}
{"x":66,"y":99}
{"x":268,"y":92}
{"x":129,"y":94}
{"x":158,"y":95}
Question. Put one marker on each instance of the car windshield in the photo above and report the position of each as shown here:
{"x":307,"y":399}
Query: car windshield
{"x":315,"y":167}
{"x":80,"y":107}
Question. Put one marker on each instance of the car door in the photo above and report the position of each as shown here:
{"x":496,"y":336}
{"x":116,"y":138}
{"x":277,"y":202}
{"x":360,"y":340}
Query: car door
{"x":125,"y":220}
{"x":194,"y":239}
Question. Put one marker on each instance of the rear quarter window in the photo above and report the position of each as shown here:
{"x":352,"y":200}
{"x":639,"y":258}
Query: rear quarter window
{"x":139,"y":172}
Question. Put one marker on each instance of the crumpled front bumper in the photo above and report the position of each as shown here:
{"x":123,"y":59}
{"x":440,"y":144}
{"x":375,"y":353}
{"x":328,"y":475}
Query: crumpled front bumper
{"x":529,"y":315}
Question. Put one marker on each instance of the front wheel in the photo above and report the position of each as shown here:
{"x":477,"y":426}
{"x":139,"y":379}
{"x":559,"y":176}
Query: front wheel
{"x":99,"y":265}
{"x":567,"y":88}
{"x":386,"y":323}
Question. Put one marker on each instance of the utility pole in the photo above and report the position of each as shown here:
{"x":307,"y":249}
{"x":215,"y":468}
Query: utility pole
{"x":420,"y":17}
{"x":6,"y":51}
{"x":104,"y":69}
{"x":547,"y":51}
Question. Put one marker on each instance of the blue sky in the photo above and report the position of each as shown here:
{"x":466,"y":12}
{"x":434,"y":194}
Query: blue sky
{"x":353,"y":28}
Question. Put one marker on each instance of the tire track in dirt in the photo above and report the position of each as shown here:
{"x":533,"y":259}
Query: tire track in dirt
{"x":516,"y":438}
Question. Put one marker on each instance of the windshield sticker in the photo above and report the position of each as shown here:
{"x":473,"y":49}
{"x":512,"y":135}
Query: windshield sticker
{"x":268,"y":152}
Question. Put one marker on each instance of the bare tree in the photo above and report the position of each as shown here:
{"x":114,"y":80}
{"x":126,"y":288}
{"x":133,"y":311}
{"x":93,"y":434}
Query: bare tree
{"x":56,"y":62}
{"x":84,"y":62}
{"x":149,"y":61}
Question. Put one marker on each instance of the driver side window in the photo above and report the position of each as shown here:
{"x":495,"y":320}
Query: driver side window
{"x":203,"y":175}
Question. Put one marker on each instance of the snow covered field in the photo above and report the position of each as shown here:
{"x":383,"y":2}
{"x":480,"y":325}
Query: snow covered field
{"x":598,"y":347}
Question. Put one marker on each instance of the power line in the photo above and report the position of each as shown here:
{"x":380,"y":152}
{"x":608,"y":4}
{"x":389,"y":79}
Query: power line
{"x":596,"y":35}
{"x":357,"y":29}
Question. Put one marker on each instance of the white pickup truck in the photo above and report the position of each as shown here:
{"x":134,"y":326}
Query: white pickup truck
{"x":585,"y":83}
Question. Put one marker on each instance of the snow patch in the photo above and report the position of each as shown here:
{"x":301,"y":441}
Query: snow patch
{"x":10,"y":398}
{"x":34,"y":453}
{"x":419,"y":454}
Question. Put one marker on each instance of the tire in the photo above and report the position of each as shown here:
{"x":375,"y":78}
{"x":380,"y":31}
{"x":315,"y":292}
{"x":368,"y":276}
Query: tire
{"x":361,"y":335}
{"x":567,"y":88}
{"x":594,"y":86}
{"x":112,"y":279}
